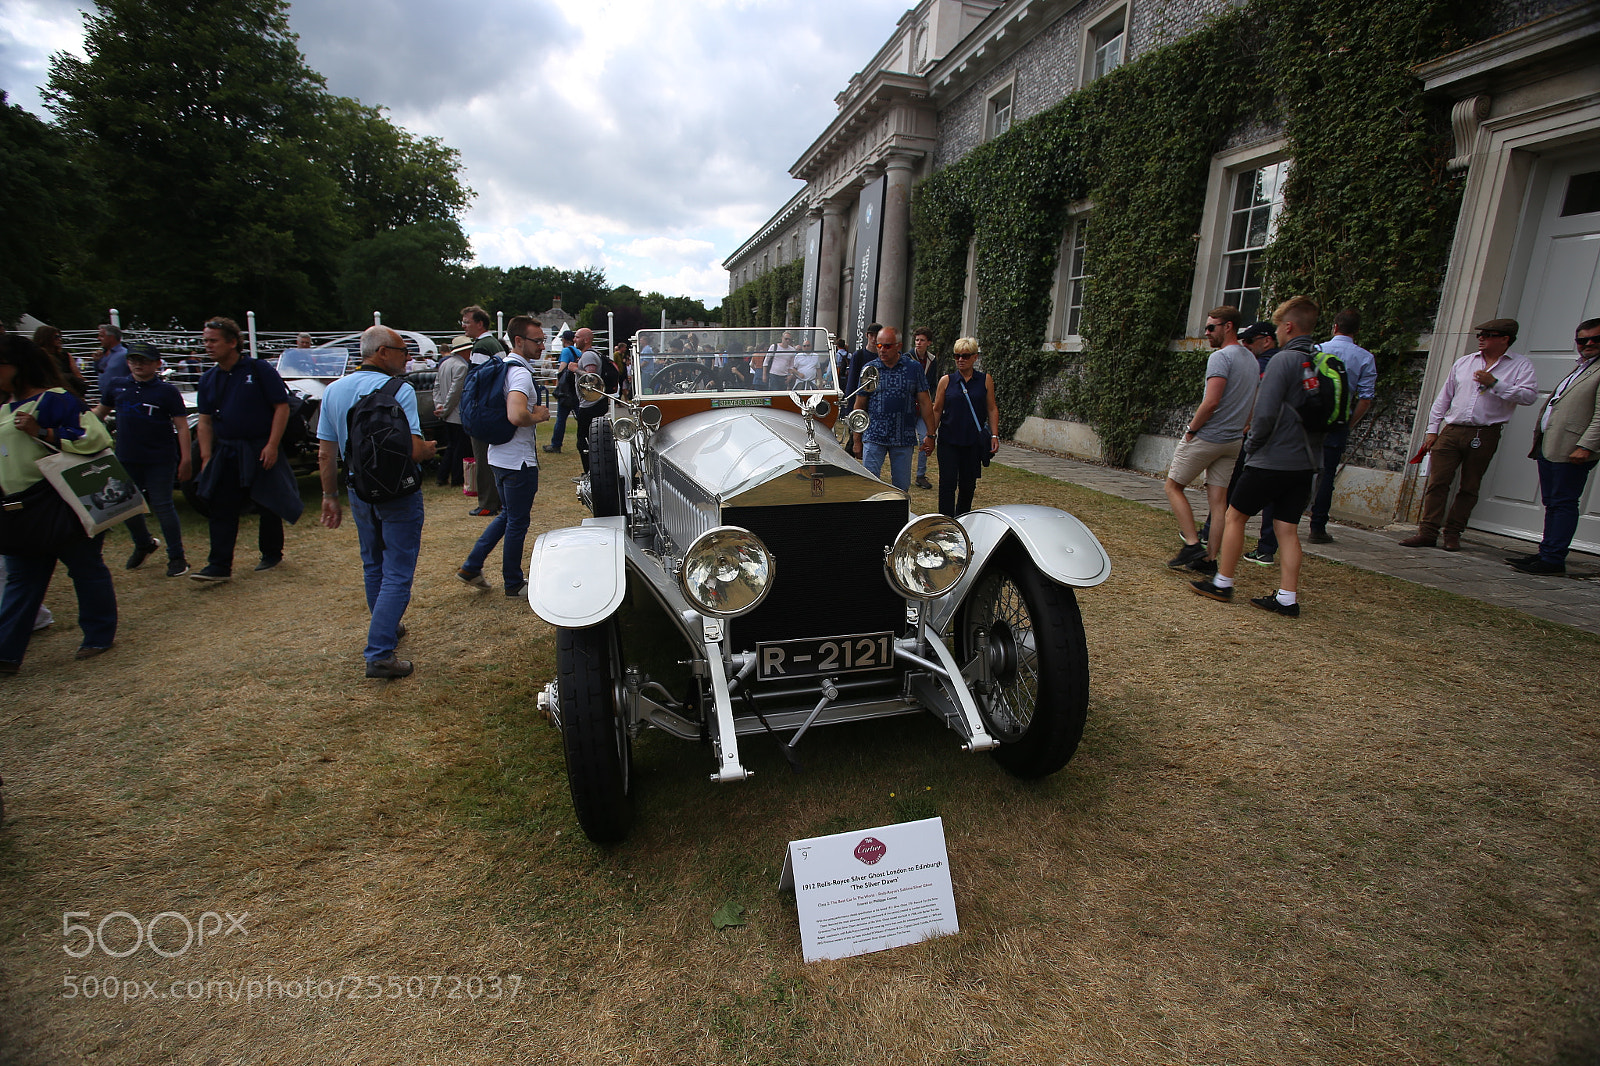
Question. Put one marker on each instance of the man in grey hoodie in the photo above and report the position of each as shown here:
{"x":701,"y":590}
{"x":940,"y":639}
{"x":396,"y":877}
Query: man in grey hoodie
{"x":1281,"y":467}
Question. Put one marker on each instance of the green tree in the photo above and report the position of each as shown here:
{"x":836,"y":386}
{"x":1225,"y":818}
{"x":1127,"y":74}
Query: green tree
{"x":233,"y":180}
{"x":388,"y":177}
{"x":532,"y":290}
{"x":414,"y":274}
{"x":45,"y":201}
{"x":198,"y":116}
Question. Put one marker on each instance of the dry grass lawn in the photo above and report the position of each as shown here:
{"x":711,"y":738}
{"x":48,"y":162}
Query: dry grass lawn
{"x":1371,"y":835}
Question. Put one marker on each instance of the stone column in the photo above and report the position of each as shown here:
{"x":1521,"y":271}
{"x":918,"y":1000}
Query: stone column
{"x":896,"y":254}
{"x":830,"y":261}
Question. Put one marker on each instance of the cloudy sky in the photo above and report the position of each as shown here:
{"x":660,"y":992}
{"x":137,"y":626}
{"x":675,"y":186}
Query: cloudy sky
{"x":644,"y":137}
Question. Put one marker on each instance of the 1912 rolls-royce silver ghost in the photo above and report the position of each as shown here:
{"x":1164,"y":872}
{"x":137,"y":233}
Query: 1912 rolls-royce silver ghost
{"x":743,"y":574}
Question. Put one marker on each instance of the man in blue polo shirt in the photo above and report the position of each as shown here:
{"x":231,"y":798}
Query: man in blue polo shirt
{"x":390,"y":533}
{"x":244,"y":407}
{"x":900,"y":399}
{"x":153,"y":443}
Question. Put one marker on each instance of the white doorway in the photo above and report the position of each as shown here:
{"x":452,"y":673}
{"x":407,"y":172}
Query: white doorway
{"x":1560,"y":287}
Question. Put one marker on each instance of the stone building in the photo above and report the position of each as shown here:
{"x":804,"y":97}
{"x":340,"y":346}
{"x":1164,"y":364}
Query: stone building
{"x":1525,"y":105}
{"x":556,"y":319}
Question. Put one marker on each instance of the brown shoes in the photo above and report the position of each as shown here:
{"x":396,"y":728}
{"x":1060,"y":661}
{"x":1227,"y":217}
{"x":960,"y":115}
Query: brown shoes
{"x":1452,"y":542}
{"x":1421,"y":540}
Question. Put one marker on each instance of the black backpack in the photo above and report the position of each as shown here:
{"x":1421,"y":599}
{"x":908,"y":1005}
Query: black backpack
{"x":1324,"y":398}
{"x":377,"y":452}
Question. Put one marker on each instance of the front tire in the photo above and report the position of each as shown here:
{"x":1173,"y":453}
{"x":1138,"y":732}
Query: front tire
{"x":605,"y":478}
{"x":593,"y":731}
{"x":1038,"y":698}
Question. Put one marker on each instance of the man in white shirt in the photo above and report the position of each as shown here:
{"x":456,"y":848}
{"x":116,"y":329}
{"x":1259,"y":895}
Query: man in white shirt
{"x":514,"y":464}
{"x":1478,"y":399}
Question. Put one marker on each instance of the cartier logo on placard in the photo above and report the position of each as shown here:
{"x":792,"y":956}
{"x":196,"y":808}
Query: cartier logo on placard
{"x":870,"y":850}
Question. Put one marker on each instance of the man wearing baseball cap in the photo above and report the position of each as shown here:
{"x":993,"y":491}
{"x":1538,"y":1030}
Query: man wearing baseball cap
{"x":566,"y":389}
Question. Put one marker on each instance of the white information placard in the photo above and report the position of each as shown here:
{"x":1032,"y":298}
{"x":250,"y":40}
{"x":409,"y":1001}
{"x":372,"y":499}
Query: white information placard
{"x":871,"y":889}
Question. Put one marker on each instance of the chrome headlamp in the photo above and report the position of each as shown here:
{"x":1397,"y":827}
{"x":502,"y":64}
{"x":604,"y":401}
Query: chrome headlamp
{"x":726,"y":572}
{"x":929,"y":556}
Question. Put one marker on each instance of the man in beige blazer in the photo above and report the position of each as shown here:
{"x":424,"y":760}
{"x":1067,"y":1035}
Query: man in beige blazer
{"x":1566,"y":445}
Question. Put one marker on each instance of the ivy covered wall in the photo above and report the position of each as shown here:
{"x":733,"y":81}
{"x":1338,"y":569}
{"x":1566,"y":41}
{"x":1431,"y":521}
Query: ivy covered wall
{"x":1369,"y":206}
{"x":762,"y":302}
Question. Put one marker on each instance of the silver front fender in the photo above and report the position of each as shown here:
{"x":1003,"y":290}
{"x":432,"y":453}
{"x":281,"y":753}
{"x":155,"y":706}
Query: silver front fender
{"x":1062,"y":547}
{"x":578,"y":575}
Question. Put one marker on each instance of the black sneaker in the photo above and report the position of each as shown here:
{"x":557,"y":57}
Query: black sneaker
{"x":141,"y":553}
{"x":1204,"y":566}
{"x":268,"y":562}
{"x":1537,"y":565}
{"x":1186,"y":555}
{"x":177,"y":568}
{"x":518,"y":591}
{"x":1270,"y":603}
{"x":1259,"y":557}
{"x":1319,"y":536}
{"x":212,"y":574}
{"x":1522,"y":560}
{"x":1208,"y":589}
{"x":923,"y":482}
{"x":390,"y":668}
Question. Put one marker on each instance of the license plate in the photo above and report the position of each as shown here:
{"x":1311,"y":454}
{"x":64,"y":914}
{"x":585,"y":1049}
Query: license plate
{"x":831,"y":655}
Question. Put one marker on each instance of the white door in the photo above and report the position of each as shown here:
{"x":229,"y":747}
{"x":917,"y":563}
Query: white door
{"x":1561,"y":288}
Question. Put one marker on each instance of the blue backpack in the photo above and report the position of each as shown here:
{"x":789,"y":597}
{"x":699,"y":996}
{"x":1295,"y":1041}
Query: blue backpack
{"x":483,"y":401}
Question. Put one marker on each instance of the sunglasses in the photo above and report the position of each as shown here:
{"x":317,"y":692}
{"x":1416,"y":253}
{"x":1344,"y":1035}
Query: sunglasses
{"x":1584,"y":342}
{"x":1482,"y":333}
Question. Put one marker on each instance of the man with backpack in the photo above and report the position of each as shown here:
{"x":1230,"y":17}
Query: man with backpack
{"x":369,"y":418}
{"x":566,"y":388}
{"x":513,"y":449}
{"x":1284,"y":456}
{"x":593,"y":362}
{"x":1363,"y":370}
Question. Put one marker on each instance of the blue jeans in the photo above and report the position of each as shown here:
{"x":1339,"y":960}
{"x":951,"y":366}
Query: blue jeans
{"x":1560,"y":489}
{"x":391,"y":539}
{"x":872,"y":455}
{"x":1332,"y":452}
{"x":27,"y":578}
{"x":517,"y":490}
{"x":558,"y":432}
{"x":155,"y":481}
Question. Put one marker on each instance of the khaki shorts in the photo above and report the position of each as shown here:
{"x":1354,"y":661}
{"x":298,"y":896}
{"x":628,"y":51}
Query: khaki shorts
{"x":1195,"y":457}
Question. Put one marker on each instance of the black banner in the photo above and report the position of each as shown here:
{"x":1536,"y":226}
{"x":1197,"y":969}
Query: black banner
{"x":869,"y":238}
{"x":808,"y":287}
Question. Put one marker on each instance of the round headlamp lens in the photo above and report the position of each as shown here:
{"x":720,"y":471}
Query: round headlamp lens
{"x":726,"y":572}
{"x":929,"y":557}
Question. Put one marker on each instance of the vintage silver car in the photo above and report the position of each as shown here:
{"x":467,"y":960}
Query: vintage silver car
{"x":743,"y":574}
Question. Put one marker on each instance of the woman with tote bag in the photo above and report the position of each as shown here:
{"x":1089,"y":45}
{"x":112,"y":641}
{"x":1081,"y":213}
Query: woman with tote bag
{"x":40,"y":417}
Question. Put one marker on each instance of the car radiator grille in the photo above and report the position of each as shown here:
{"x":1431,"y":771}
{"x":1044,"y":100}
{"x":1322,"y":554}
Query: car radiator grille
{"x":829,"y":570}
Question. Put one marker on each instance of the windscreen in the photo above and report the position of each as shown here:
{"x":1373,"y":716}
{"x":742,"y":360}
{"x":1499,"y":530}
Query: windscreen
{"x":777,"y":359}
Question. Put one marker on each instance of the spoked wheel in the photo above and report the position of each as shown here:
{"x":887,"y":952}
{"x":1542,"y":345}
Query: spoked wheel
{"x":594,"y":730}
{"x":1037,"y":695}
{"x":687,"y":376}
{"x":605,"y":476}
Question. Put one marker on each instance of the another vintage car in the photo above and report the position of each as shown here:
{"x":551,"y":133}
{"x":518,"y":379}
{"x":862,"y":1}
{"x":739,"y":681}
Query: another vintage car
{"x":743,"y":574}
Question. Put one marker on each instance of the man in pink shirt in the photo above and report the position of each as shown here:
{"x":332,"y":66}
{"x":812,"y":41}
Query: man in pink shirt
{"x":1464,"y":428}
